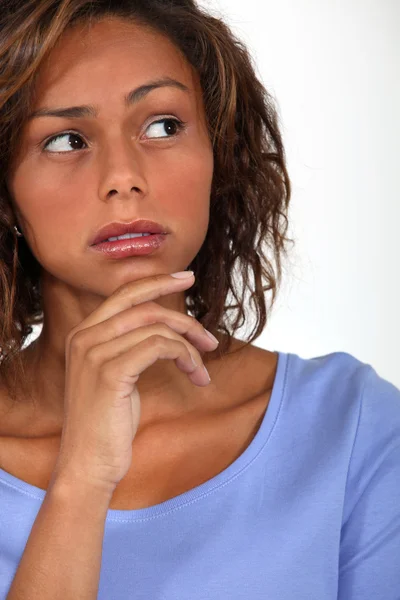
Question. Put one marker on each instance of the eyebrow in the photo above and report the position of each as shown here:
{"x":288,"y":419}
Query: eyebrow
{"x":134,"y":96}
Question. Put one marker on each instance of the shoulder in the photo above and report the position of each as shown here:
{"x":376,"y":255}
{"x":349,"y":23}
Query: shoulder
{"x":345,"y":400}
{"x":342,"y":375}
{"x":370,"y":534}
{"x":376,"y":446}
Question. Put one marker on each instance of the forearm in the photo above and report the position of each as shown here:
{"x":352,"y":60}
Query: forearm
{"x":62,"y":557}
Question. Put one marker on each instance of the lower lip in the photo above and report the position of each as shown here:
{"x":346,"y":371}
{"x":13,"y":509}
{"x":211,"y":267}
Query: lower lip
{"x":139,"y":246}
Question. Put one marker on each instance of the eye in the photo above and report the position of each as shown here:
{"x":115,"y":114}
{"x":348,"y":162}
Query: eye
{"x":55,"y":141}
{"x":60,"y":136}
{"x":174,"y":123}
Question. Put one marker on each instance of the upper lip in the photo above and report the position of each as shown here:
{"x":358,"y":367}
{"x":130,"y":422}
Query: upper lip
{"x":115,"y":229}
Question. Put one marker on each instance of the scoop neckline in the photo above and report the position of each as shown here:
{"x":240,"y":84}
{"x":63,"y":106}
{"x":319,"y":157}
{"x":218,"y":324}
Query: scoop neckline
{"x":237,"y":467}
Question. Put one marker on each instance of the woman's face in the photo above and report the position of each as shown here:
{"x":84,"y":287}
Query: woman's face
{"x":119,"y":165}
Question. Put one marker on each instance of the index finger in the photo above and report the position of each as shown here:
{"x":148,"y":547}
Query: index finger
{"x":135,"y":292}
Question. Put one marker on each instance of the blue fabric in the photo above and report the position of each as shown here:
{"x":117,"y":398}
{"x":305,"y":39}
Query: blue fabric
{"x":309,"y":511}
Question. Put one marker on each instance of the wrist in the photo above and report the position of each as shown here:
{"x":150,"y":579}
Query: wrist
{"x":68,"y":485}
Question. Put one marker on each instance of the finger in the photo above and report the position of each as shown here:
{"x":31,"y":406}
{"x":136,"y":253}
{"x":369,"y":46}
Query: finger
{"x":123,"y":371}
{"x":143,"y":315}
{"x":134,"y":293}
{"x":151,"y":312}
{"x":101,"y":354}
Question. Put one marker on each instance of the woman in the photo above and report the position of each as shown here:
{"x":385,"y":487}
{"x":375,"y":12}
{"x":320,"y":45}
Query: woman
{"x":125,"y":476}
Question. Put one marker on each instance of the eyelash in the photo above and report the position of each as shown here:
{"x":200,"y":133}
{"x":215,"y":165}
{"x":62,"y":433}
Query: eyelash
{"x":180,"y":124}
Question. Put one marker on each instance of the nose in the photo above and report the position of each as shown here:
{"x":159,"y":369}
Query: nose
{"x":121,"y":169}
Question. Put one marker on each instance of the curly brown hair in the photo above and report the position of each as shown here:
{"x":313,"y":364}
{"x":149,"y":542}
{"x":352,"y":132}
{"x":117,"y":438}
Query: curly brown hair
{"x":250,"y":179}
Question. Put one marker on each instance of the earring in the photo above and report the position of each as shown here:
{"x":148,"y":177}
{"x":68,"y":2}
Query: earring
{"x":19,"y":234}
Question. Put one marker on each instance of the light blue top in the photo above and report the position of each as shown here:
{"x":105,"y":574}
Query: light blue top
{"x":309,"y":511}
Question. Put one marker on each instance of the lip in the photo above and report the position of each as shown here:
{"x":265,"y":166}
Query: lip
{"x":141,"y":246}
{"x":138,"y":226}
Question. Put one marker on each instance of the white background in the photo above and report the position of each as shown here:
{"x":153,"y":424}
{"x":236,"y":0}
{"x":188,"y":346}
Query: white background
{"x":333,"y":67}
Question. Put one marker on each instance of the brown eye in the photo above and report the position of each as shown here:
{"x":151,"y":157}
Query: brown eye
{"x":171,"y":126}
{"x":62,"y":147}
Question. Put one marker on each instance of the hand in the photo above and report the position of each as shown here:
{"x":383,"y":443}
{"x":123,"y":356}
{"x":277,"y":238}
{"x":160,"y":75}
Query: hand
{"x":105,"y":356}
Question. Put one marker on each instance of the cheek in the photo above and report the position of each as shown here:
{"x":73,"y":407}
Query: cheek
{"x":49,"y":208}
{"x":187,"y":188}
{"x":186,"y":205}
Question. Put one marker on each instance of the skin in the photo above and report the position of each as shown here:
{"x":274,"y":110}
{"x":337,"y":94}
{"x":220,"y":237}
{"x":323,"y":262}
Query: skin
{"x":123,"y":168}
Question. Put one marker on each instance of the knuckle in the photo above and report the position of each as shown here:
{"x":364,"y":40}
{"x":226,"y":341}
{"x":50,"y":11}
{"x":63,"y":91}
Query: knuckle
{"x":159,"y":278}
{"x":196,"y":354}
{"x":194,"y":324}
{"x":148,"y":313}
{"x":157,"y":329}
{"x":152,"y":308}
{"x":77,"y":340}
{"x":164,"y":329}
{"x":125,"y":288}
{"x":157,"y":340}
{"x":119,"y":325}
{"x":107,"y":373}
{"x":93,"y":355}
{"x":69,"y":336}
{"x":119,"y":328}
{"x":120,"y":292}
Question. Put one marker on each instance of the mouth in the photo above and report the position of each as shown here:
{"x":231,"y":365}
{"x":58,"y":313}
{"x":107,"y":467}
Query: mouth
{"x":139,"y":229}
{"x":139,"y":245}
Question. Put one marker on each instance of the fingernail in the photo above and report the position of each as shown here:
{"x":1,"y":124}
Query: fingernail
{"x":211,"y":336}
{"x":208,"y":374}
{"x":182,"y":274}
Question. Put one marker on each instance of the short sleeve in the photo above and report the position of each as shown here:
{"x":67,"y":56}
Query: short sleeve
{"x":369,"y":564}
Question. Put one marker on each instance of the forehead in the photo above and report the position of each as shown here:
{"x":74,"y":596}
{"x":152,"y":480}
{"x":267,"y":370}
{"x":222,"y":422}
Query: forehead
{"x":112,"y":52}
